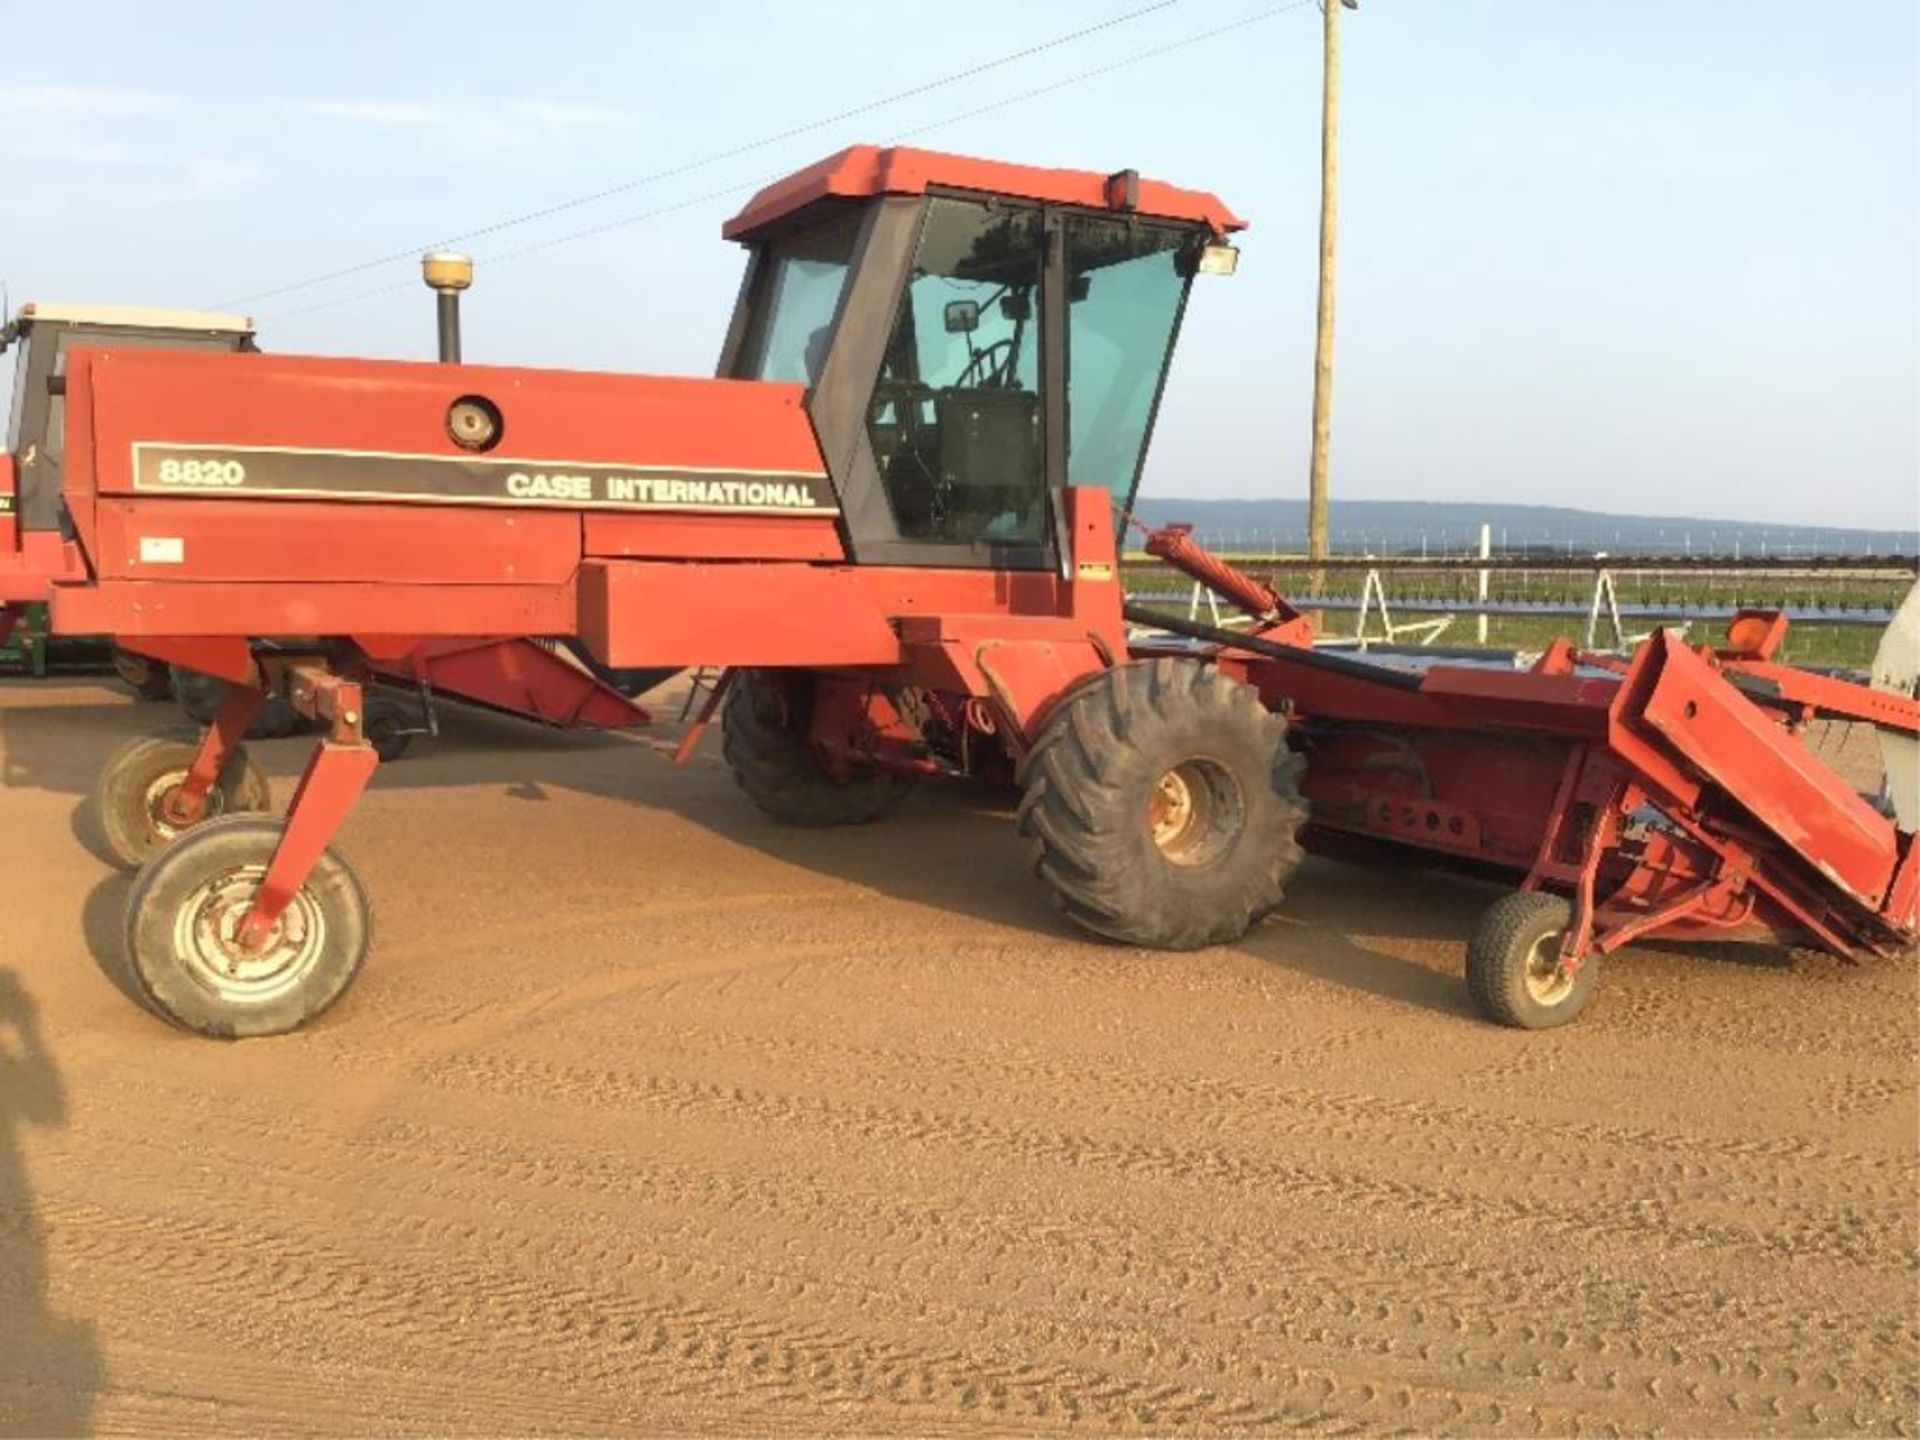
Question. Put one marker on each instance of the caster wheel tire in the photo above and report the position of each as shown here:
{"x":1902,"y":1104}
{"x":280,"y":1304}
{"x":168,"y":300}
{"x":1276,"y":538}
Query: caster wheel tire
{"x":1163,"y":806}
{"x":141,"y":774}
{"x":1513,"y":963}
{"x":183,"y":915}
{"x":387,"y":727}
{"x":778,"y":769}
{"x":148,"y":679}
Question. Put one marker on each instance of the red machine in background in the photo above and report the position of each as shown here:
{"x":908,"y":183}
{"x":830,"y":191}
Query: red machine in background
{"x":891,"y":517}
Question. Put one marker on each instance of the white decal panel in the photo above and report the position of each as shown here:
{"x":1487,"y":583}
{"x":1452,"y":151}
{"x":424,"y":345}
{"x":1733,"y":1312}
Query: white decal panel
{"x":162,"y":550}
{"x":265,"y":472}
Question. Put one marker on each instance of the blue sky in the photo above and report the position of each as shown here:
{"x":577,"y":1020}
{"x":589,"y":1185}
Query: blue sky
{"x":1611,"y":253}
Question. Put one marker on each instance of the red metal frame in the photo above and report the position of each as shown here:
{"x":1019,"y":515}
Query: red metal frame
{"x":32,"y":561}
{"x":708,"y":709}
{"x":1274,"y":618}
{"x":504,"y":672}
{"x":336,"y":773}
{"x":187,"y":804}
{"x":1666,"y":794}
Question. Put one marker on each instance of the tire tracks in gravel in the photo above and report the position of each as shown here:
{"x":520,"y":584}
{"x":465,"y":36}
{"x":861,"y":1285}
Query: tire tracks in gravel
{"x":1699,"y":1013}
{"x":1778,"y":1161}
{"x":1786,"y":1163}
{"x":1442,"y":1188}
{"x":420,"y":1291}
{"x":1343,"y":1304}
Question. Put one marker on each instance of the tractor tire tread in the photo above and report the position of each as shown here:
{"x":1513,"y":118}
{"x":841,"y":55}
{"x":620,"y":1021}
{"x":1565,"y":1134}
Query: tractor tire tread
{"x":1087,"y":783}
{"x":120,"y":790}
{"x":160,"y":974}
{"x":1497,"y":958}
{"x":782,"y":776}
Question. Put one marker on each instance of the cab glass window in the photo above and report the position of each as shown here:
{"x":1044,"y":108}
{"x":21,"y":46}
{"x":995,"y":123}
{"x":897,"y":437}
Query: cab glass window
{"x":1127,"y":289}
{"x":802,"y":293}
{"x":14,"y":415}
{"x":955,"y":414}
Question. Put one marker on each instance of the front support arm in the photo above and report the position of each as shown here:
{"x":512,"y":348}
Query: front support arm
{"x":338,"y":771}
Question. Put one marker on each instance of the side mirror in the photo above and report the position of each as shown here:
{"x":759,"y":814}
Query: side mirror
{"x":962,"y":317}
{"x":1017,"y":306}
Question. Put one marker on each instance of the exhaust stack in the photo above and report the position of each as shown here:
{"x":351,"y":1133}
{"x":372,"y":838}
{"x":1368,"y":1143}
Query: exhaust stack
{"x":447,"y":273}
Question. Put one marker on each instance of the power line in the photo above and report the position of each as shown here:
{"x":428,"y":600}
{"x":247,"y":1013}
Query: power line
{"x":1024,"y":96}
{"x":499,"y":256}
{"x":560,"y":207}
{"x":1139,"y":57}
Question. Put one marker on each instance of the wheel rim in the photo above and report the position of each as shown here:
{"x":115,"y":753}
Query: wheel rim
{"x":1195,"y":812}
{"x":1548,"y":983}
{"x":205,"y":937}
{"x":161,"y":790}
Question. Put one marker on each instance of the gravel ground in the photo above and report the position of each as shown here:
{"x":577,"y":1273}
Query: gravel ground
{"x":648,"y":1116}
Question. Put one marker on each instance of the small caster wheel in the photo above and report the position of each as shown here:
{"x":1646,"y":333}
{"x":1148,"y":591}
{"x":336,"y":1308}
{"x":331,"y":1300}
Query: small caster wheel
{"x":387,"y":727}
{"x":1513,"y":963}
{"x":148,"y":679}
{"x":184,"y":914}
{"x":137,"y":779}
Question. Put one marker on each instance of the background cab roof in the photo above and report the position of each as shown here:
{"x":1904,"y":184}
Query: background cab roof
{"x":864,"y":171}
{"x":133,"y":317}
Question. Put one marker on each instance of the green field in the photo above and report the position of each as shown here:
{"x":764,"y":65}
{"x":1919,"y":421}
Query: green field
{"x":1808,"y":642}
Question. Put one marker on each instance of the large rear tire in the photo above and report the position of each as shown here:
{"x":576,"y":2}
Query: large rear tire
{"x":1164,"y":806}
{"x":137,"y":778}
{"x":774,"y":764}
{"x":186,"y":906}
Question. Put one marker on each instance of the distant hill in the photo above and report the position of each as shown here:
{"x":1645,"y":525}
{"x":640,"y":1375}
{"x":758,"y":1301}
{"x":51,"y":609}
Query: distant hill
{"x":1390,"y":527}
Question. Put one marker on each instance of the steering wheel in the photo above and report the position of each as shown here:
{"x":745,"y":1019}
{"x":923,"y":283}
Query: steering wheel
{"x":990,"y":370}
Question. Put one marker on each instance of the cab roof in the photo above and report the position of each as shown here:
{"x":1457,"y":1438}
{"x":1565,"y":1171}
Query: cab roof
{"x":133,"y":317}
{"x":864,"y":171}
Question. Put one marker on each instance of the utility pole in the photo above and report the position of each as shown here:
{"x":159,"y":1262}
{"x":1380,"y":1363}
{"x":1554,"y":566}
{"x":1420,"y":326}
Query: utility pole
{"x":1323,"y":329}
